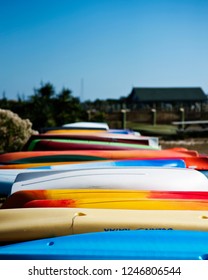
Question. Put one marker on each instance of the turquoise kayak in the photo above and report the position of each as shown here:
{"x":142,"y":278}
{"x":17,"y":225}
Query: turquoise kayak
{"x":115,"y":245}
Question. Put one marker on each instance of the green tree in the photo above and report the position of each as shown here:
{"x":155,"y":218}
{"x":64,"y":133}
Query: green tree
{"x":41,"y":106}
{"x":67,"y":108}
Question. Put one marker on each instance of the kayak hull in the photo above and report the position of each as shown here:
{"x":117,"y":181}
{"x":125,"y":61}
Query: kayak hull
{"x":130,"y":245}
{"x":105,"y":198}
{"x":18,"y":225}
{"x":140,"y":178}
{"x":8,"y":176}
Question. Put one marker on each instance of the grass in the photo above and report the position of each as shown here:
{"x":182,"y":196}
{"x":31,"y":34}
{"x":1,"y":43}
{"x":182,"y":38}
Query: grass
{"x":156,"y":130}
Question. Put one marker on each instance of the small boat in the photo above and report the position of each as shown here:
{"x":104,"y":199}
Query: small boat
{"x":8,"y":176}
{"x":23,"y":224}
{"x":129,"y":204}
{"x":70,"y":145}
{"x":87,"y":125}
{"x":33,"y":159}
{"x":140,"y":178}
{"x":120,"y":245}
{"x":102,"y":138}
{"x":105,"y":198}
{"x":87,"y":155}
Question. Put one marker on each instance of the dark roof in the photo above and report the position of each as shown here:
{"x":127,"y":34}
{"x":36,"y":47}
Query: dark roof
{"x":143,"y":94}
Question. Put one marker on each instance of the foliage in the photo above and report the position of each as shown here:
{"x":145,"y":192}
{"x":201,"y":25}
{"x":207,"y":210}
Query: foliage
{"x":14,"y":131}
{"x":46,"y":108}
{"x":41,"y":106}
{"x":67,"y":108}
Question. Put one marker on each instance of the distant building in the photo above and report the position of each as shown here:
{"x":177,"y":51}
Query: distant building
{"x":167,"y":98}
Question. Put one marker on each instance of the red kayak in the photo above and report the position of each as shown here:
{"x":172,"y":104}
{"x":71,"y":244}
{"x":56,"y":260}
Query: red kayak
{"x":27,"y":159}
{"x":47,"y":156}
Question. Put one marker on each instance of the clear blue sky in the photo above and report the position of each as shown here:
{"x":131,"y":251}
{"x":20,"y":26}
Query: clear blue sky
{"x":102,"y":48}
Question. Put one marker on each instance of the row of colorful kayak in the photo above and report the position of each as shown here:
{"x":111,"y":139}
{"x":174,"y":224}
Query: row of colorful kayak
{"x":85,"y":191}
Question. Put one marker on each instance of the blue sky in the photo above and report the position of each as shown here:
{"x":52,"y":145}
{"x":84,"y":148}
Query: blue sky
{"x":102,"y":48}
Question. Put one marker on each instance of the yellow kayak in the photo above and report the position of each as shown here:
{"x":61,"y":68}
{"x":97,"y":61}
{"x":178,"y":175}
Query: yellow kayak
{"x":114,"y":197}
{"x":125,"y":203}
{"x":35,"y":223}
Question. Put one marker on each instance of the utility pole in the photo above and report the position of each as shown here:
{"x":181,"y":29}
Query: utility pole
{"x":82,"y":90}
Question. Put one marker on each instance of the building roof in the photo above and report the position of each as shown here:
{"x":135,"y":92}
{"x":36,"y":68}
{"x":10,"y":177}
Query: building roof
{"x":144,"y":94}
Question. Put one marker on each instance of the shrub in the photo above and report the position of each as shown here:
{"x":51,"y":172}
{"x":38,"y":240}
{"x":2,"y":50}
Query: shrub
{"x":14,"y":131}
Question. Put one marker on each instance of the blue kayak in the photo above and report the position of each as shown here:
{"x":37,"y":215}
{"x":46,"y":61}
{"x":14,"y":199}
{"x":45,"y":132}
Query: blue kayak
{"x":114,"y":245}
{"x":180,"y":163}
{"x":8,"y":176}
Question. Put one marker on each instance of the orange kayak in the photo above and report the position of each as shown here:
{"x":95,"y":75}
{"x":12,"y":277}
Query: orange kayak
{"x":50,"y":156}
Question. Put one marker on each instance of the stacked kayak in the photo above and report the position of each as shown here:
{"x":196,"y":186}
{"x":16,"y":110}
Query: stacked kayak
{"x":31,"y":159}
{"x":101,"y":141}
{"x":109,"y":199}
{"x":84,"y":191}
{"x":152,"y":178}
{"x":8,"y":176}
{"x":17,"y":225}
{"x":108,"y":194}
{"x":122,"y":245}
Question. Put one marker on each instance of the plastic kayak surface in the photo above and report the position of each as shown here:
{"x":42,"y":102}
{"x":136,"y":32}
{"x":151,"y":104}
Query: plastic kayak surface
{"x":34,"y":159}
{"x":68,"y":130}
{"x":8,"y":176}
{"x":125,"y":203}
{"x":106,"y":197}
{"x":198,"y":163}
{"x":107,"y":137}
{"x":25,"y":224}
{"x":87,"y":125}
{"x":102,"y":163}
{"x":125,"y":162}
{"x":124,"y":131}
{"x":65,"y":144}
{"x":137,"y":245}
{"x":146,"y":178}
{"x":52,"y":156}
{"x":71,"y":130}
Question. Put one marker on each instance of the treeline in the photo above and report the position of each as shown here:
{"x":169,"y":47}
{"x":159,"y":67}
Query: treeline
{"x":47,"y":108}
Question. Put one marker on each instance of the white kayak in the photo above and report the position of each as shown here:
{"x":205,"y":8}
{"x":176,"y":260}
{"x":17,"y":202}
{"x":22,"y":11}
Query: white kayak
{"x":151,"y":178}
{"x":8,"y":176}
{"x":87,"y":125}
